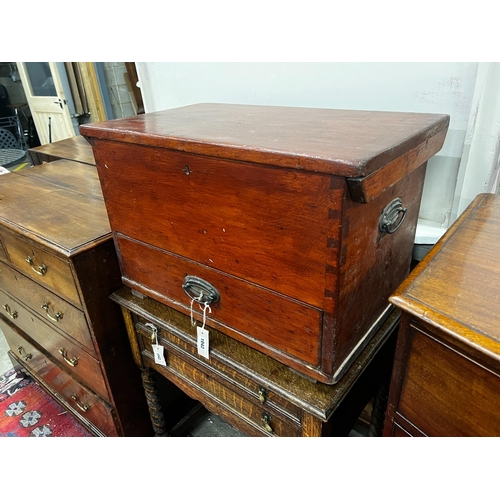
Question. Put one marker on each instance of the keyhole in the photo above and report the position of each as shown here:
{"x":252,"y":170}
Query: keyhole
{"x":186,"y":169}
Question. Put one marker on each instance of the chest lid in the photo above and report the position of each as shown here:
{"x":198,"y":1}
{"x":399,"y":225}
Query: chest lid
{"x":348,"y":143}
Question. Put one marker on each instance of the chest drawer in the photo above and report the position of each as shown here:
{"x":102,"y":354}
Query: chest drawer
{"x":260,"y":394}
{"x":278,"y":318}
{"x":62,"y":349}
{"x":41,"y":300}
{"x":41,"y":266}
{"x":85,"y":404}
{"x":224,"y":394}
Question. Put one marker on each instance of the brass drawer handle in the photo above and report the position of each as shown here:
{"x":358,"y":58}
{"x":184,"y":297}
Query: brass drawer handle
{"x":266,"y":420}
{"x":72,"y":361}
{"x":58,"y":315}
{"x":262,"y":395}
{"x":154,"y":331}
{"x":12,"y":314}
{"x":84,"y":408}
{"x":41,"y":269}
{"x":26,"y":357}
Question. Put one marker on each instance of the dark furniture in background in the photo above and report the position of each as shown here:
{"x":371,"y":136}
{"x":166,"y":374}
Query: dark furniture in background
{"x":58,"y":265}
{"x":446,"y":377}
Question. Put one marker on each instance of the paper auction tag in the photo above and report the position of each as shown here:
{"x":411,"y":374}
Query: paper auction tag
{"x":202,"y":338}
{"x":159,"y":356}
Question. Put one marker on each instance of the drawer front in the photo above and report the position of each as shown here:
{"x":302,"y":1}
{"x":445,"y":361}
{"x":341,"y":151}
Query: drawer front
{"x":3,"y":254}
{"x":243,"y":309}
{"x":43,"y":267}
{"x":86,"y":405}
{"x":258,"y":393}
{"x":62,"y":349}
{"x":446,"y":393}
{"x":224,"y":394}
{"x":59,"y":312}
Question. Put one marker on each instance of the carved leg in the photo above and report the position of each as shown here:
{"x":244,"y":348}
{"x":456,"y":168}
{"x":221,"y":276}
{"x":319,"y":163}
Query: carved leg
{"x":153,"y":401}
{"x":378,"y":411}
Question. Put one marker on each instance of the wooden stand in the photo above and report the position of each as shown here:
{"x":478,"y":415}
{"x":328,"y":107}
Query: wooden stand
{"x":253,"y":392}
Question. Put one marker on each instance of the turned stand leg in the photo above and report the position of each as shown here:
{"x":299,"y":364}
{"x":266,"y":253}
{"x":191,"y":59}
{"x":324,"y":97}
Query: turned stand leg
{"x":153,"y":401}
{"x":378,"y":411}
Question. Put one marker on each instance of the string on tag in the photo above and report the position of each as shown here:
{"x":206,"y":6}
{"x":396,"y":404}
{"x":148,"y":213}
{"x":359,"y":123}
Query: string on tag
{"x":154,"y":330}
{"x":205,"y":313}
{"x":193,"y":321}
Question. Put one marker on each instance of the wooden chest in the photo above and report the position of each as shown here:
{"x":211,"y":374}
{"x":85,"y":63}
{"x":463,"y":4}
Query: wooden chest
{"x":446,"y":377}
{"x":294,"y":225}
{"x":58,"y":266}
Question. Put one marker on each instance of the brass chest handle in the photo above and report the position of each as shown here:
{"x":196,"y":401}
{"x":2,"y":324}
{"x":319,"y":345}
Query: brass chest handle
{"x":12,"y":314}
{"x":84,"y":407}
{"x":392,"y":217}
{"x":41,"y":269}
{"x":199,"y":290}
{"x":72,"y":361}
{"x":58,"y":315}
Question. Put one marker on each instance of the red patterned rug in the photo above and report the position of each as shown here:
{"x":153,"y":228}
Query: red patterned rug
{"x":26,"y":410}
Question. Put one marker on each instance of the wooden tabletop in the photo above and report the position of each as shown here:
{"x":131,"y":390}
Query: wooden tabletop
{"x":60,"y":204}
{"x":343,"y":142}
{"x":75,"y":148}
{"x":456,"y":287}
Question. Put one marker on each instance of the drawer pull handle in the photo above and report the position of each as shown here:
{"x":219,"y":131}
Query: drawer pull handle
{"x":154,"y":331}
{"x":12,"y":314}
{"x":266,"y":420}
{"x":26,"y":357}
{"x":200,"y":290}
{"x":41,"y":269}
{"x":388,"y":222}
{"x":58,"y":315}
{"x":84,"y":407}
{"x":72,"y":361}
{"x":262,"y":395}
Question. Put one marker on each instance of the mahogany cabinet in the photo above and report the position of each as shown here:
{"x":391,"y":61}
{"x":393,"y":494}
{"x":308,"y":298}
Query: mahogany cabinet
{"x":58,"y":266}
{"x":293,"y":225}
{"x":446,"y":376}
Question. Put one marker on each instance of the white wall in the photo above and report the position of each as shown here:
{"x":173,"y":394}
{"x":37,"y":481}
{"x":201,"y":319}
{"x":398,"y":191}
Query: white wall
{"x":420,"y":87}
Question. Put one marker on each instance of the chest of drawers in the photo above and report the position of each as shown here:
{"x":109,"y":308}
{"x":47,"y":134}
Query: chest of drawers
{"x":253,"y":392}
{"x":293,"y":224}
{"x":446,"y":377}
{"x":58,"y":266}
